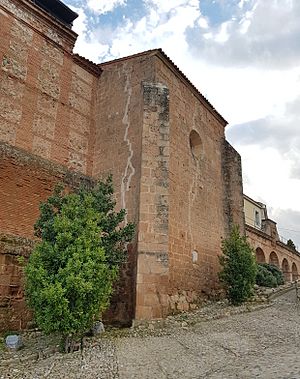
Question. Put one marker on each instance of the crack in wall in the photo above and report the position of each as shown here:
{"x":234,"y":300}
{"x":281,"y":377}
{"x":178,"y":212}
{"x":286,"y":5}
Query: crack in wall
{"x":129,"y":169}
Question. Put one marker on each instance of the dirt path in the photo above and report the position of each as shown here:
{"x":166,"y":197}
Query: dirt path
{"x":260,"y":344}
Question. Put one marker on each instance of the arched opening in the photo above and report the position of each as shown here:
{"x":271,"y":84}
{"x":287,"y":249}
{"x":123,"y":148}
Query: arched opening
{"x":286,"y":269}
{"x":260,"y":255}
{"x":195,"y":144}
{"x":273,"y":260}
{"x":294,"y":272}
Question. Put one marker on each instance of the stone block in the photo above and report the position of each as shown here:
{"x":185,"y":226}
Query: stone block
{"x":21,"y":32}
{"x":11,"y":87}
{"x":47,"y":105}
{"x":82,"y":74}
{"x":77,"y":162}
{"x":79,"y":104}
{"x":79,"y":122}
{"x":78,"y":142}
{"x":14,"y":67}
{"x":81,"y":88}
{"x":41,"y":147}
{"x":43,"y":125}
{"x":13,"y":342}
{"x":48,"y":79}
{"x":7,"y":132}
{"x":10,"y":110}
{"x":55,"y":54}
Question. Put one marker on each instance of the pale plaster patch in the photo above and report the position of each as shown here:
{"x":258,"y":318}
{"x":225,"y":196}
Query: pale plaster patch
{"x":129,"y":169}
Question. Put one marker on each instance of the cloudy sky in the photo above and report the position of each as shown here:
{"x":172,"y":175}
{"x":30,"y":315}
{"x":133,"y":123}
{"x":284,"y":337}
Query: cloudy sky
{"x":243,"y":55}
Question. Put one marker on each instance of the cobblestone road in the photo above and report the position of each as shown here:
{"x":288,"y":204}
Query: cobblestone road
{"x":260,"y":344}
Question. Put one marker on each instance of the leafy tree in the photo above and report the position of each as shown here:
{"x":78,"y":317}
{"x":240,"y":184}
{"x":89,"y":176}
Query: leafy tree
{"x":70,"y":274}
{"x":291,"y":244}
{"x":238,"y":267}
{"x":114,"y":237}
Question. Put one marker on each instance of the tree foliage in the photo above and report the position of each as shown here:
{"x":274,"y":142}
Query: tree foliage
{"x":238,"y":267}
{"x":70,"y":274}
{"x":269,"y":275}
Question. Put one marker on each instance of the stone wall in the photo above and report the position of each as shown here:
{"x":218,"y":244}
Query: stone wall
{"x":175,"y":192}
{"x":196,"y":218}
{"x":46,"y":95}
{"x":233,"y":188}
{"x":153,"y":238}
{"x":118,"y":149}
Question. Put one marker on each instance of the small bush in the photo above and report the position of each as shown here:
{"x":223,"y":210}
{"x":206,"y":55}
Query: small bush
{"x":265,"y":278}
{"x":238,"y":267}
{"x":275,"y":272}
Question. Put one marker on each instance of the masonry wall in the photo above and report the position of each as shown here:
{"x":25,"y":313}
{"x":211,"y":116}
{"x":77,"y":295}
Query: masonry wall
{"x":152,"y":283}
{"x":118,"y":148}
{"x":47,"y":95}
{"x":14,"y":314}
{"x":233,"y":188}
{"x":271,"y":249}
{"x":196,"y":193}
{"x":26,"y":180}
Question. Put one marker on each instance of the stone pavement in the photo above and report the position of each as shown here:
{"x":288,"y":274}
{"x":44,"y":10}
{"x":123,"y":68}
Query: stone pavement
{"x":261,"y":344}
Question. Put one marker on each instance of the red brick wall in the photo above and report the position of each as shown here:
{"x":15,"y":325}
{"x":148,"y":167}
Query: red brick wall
{"x":46,"y":97}
{"x":14,"y":314}
{"x":26,"y":180}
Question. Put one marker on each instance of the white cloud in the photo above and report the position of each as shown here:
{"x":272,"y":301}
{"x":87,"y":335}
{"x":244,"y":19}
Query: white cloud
{"x":163,"y":27}
{"x":87,"y":45}
{"x":164,"y":6}
{"x":104,"y":6}
{"x":203,"y":23}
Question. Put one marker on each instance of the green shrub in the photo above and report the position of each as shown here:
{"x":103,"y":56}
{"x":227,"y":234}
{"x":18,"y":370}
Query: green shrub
{"x":265,"y":278}
{"x":70,"y":273}
{"x":275,"y":272}
{"x":238,"y":267}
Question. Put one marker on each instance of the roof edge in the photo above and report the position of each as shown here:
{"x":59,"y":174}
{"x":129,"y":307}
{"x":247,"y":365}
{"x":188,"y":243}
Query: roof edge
{"x":90,"y":66}
{"x":163,"y":56}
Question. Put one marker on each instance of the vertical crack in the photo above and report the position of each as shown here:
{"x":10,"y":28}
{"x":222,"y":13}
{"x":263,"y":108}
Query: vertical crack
{"x":129,"y":169}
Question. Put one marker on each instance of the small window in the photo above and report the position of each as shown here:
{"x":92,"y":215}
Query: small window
{"x":257,"y":219}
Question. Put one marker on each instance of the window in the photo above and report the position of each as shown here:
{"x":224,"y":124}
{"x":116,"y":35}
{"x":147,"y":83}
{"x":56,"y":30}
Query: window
{"x":257,"y":219}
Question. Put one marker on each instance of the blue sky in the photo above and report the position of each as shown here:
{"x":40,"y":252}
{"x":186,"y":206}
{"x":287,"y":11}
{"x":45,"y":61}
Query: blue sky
{"x":243,"y":55}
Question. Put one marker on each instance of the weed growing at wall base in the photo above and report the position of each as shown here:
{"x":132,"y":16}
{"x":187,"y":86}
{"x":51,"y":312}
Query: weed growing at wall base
{"x":70,"y":274}
{"x":238,"y":267}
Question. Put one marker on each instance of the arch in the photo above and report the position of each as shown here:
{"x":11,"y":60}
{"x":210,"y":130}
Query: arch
{"x":260,"y":255}
{"x":294,"y":272}
{"x":273,"y":259}
{"x":286,"y":269}
{"x":195,"y":144}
